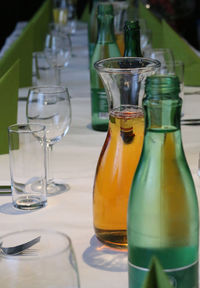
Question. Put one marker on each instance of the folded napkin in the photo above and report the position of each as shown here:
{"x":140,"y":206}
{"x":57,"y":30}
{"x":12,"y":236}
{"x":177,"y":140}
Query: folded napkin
{"x":9,"y":84}
{"x":156,"y":277}
{"x":164,"y":36}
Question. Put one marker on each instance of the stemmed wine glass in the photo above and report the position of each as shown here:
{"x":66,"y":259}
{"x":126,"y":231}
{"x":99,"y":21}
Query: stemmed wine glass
{"x":58,"y":50}
{"x":50,"y":106}
{"x":163,"y":55}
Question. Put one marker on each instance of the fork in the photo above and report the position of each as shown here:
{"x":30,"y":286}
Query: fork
{"x":15,"y":250}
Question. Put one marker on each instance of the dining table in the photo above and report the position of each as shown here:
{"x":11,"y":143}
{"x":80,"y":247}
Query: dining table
{"x":75,"y":161}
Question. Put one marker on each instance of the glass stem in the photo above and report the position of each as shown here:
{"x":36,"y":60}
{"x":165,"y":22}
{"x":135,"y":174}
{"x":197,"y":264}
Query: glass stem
{"x":49,"y":163}
{"x":58,"y":76}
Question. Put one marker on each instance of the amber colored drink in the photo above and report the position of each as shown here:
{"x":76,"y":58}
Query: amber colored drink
{"x":115,"y":170}
{"x":120,"y":42}
{"x":60,"y":16}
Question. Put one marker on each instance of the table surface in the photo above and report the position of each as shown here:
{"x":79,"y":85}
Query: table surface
{"x":76,"y":157}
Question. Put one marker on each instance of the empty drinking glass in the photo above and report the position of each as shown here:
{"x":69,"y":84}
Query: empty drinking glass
{"x":58,"y":50}
{"x":51,"y":107}
{"x":163,"y":55}
{"x":49,"y":263}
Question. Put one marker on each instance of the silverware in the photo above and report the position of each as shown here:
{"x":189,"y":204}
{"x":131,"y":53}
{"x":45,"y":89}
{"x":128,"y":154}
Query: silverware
{"x":192,"y":122}
{"x":5,"y":189}
{"x":19,"y":248}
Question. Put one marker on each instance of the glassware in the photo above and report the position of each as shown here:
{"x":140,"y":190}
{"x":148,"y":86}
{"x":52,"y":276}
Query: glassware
{"x":51,"y":107}
{"x":60,"y":12}
{"x":26,"y":171}
{"x":42,"y":72}
{"x":57,"y":50}
{"x":132,"y":39}
{"x":163,"y":217}
{"x":121,"y":150}
{"x":105,"y":47}
{"x":120,"y":16}
{"x":92,"y":29}
{"x":71,"y":22}
{"x":49,"y":263}
{"x":145,"y":35}
{"x":163,"y":55}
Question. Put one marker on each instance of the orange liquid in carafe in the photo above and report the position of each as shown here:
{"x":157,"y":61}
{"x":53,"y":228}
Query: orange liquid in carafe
{"x":115,"y":170}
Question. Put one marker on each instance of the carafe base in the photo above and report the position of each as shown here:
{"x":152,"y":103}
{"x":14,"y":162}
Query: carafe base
{"x":112,"y":238}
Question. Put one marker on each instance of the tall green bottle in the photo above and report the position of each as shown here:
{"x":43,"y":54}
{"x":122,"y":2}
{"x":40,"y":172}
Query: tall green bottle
{"x":132,"y":49}
{"x":163,"y":217}
{"x":92,"y":29}
{"x":106,"y":47}
{"x":132,"y":39}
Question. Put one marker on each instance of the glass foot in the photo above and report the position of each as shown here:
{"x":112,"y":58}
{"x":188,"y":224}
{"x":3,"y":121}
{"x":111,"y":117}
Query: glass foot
{"x":54,"y":188}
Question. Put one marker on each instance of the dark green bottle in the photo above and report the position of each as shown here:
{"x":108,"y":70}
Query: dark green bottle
{"x":132,"y":49}
{"x":106,"y":47}
{"x":132,"y":39}
{"x":163,"y":217}
{"x":92,"y":29}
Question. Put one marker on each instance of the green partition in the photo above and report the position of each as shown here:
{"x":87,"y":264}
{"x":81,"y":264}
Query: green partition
{"x":9,"y":84}
{"x":40,"y":22}
{"x":182,"y":51}
{"x":164,"y":36}
{"x":154,"y":24}
{"x":21,"y":49}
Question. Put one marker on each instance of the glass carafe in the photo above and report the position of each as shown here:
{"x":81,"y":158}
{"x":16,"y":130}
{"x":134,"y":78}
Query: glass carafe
{"x":120,"y":153}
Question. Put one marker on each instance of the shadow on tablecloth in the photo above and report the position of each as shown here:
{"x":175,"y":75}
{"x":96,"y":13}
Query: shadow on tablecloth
{"x":104,"y":258}
{"x":9,"y":209}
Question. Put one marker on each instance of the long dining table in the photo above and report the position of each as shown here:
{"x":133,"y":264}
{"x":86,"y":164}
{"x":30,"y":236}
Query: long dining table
{"x":75,"y":160}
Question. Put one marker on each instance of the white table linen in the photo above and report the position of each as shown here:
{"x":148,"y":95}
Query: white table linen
{"x":76,"y":157}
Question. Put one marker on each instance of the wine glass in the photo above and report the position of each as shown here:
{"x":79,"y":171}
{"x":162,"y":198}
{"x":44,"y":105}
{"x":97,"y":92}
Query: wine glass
{"x":58,"y":50}
{"x":50,"y":106}
{"x":163,"y":55}
{"x":48,"y":263}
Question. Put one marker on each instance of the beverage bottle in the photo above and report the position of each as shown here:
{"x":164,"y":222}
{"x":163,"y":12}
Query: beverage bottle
{"x":132,"y":49}
{"x":163,"y":218}
{"x":106,"y":47}
{"x":132,"y":39}
{"x":92,"y":29}
{"x":60,"y":12}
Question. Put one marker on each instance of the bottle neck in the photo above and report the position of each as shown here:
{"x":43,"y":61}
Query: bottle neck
{"x":162,"y":115}
{"x":132,"y":43}
{"x":105,"y":29}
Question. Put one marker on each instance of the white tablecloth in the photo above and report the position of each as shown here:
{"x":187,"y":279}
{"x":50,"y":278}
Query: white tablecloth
{"x":76,"y":157}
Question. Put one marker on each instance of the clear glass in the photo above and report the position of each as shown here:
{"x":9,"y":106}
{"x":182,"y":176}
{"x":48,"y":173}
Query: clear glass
{"x":51,"y":107}
{"x":120,"y":16}
{"x":163,"y":218}
{"x":58,"y":50}
{"x":121,"y":151}
{"x":26,"y":140}
{"x":60,"y":12}
{"x":42,"y":72}
{"x":163,"y":55}
{"x":49,"y":263}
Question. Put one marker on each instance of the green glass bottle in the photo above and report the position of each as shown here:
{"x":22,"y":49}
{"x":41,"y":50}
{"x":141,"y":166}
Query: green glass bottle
{"x":163,"y":218}
{"x":92,"y":29}
{"x":132,"y":49}
{"x":132,"y":39}
{"x":106,"y":47}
